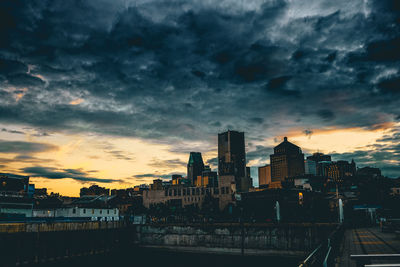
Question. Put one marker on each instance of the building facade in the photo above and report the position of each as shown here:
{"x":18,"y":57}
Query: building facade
{"x":93,"y":214}
{"x":232,"y":159}
{"x":310,"y":167}
{"x":195,"y":167}
{"x":264,"y":175}
{"x":185,"y":196}
{"x":287,"y":161}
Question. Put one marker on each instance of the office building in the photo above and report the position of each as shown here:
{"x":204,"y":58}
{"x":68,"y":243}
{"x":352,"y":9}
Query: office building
{"x":195,"y":167}
{"x":310,"y":167}
{"x":232,"y":160}
{"x":318,"y":158}
{"x":264,"y":175}
{"x":287,"y":161}
{"x":208,"y":178}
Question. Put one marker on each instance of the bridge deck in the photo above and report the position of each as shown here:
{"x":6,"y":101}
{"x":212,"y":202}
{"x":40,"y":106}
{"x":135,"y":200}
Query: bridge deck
{"x":368,"y":241}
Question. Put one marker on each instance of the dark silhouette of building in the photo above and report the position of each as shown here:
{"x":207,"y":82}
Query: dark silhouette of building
{"x":156,"y":185}
{"x":94,"y":190}
{"x":369,"y":171}
{"x":195,"y":167}
{"x":287,"y":161}
{"x":317,"y":157}
{"x":14,"y":184}
{"x":346,"y":169}
{"x":232,"y":158}
{"x":322,"y":162}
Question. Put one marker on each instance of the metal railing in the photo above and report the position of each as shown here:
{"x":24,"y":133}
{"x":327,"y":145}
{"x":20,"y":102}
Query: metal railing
{"x":365,"y":259}
{"x":325,"y":254}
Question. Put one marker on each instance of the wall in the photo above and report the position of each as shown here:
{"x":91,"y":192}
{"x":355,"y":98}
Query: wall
{"x":42,"y":242}
{"x":31,"y":243}
{"x":73,"y":212}
{"x":258,"y":239}
{"x":158,"y":196}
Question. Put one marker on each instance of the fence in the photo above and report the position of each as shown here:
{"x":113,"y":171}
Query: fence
{"x":326,"y":252}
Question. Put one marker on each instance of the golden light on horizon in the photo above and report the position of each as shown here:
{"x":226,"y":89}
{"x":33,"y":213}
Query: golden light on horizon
{"x":339,"y":140}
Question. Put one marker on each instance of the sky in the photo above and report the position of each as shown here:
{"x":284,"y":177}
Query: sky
{"x":118,"y":92}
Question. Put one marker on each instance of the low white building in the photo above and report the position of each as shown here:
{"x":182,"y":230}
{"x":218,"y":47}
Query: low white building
{"x":95,"y":214}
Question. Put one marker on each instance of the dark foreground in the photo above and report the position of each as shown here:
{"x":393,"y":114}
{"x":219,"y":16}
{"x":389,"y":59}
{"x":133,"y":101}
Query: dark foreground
{"x":157,"y":258}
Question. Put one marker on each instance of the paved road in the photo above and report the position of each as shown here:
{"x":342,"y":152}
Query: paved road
{"x":368,"y":241}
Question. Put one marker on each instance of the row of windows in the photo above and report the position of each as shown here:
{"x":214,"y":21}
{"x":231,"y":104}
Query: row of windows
{"x":101,"y":211}
{"x":192,"y":199}
{"x":195,"y":191}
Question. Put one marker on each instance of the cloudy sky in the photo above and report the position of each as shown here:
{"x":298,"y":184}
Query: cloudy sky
{"x":117,"y":92}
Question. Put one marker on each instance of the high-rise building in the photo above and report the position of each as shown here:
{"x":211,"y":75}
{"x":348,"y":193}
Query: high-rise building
{"x":310,"y":167}
{"x":321,"y":161}
{"x":287,"y":161}
{"x":195,"y":167}
{"x":264,"y":175}
{"x":232,"y":159}
{"x":248,"y":182}
{"x":208,"y":178}
{"x":346,"y":169}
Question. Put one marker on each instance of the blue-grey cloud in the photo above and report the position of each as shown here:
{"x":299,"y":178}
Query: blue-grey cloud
{"x":54,"y":173}
{"x":25,"y":147}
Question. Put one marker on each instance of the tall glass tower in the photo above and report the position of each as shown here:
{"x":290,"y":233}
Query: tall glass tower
{"x":195,"y":167}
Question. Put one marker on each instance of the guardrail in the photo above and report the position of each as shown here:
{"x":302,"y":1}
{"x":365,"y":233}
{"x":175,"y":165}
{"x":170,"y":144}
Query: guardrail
{"x":365,"y":259}
{"x":325,"y":254}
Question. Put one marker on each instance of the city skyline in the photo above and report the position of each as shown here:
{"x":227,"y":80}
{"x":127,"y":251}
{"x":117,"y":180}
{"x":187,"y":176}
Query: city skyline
{"x":123,"y":97}
{"x":254,"y":173}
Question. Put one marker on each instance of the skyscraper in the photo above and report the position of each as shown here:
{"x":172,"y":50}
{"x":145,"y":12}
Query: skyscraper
{"x":287,"y":161}
{"x":264,"y":175}
{"x":232,"y":158}
{"x":195,"y":167}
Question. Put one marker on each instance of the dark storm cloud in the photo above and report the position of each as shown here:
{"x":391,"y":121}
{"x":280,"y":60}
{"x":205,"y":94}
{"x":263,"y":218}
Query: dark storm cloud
{"x":185,"y":70}
{"x":391,"y":85}
{"x":53,"y":173}
{"x":25,"y":147}
{"x":326,"y":114}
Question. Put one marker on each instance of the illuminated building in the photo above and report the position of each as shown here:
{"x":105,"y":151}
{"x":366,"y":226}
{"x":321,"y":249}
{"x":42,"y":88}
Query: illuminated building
{"x":208,"y":178}
{"x":264,"y":175}
{"x":287,"y":161}
{"x":195,"y":167}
